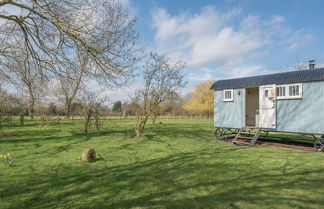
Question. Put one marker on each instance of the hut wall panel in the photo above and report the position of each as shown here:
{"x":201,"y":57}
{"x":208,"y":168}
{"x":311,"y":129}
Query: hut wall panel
{"x":304,"y":115}
{"x":229,"y":114}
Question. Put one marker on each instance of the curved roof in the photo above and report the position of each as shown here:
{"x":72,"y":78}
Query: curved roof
{"x":277,"y":78}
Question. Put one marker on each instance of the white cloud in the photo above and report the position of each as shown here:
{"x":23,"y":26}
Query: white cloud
{"x":200,"y":76}
{"x":226,"y":47}
{"x":124,"y":2}
{"x":205,"y":74}
{"x":124,"y":93}
{"x":299,"y":38}
{"x":127,"y":4}
{"x":10,"y":10}
{"x":244,"y":71}
{"x":208,"y":21}
{"x":113,"y":95}
{"x":226,"y":39}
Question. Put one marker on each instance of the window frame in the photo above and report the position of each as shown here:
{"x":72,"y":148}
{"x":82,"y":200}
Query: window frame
{"x":228,"y":99}
{"x":286,"y":88}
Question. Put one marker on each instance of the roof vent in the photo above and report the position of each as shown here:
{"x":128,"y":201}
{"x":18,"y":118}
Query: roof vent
{"x":311,"y":64}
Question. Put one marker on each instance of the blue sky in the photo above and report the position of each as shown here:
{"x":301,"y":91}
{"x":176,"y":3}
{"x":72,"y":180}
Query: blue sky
{"x":232,"y":38}
{"x":221,"y":39}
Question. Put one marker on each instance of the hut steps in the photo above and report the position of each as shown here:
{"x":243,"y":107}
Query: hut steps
{"x":247,"y":135}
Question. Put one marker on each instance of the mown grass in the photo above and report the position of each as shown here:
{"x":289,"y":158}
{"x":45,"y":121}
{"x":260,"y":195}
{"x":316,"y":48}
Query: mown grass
{"x":177,"y":165}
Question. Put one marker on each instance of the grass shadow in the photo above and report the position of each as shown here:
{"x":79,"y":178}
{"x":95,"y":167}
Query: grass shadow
{"x":175,"y":181}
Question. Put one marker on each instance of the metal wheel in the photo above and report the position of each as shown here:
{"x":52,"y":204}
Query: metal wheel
{"x":218,"y":133}
{"x":319,"y":143}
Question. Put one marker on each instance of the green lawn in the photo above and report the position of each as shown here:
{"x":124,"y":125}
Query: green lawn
{"x":175,"y":166}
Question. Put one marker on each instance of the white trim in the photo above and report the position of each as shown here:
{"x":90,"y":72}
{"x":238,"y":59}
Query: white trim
{"x":231,"y":94}
{"x":287,"y":96}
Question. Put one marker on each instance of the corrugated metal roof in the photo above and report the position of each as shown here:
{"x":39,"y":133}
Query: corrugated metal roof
{"x":277,"y":78}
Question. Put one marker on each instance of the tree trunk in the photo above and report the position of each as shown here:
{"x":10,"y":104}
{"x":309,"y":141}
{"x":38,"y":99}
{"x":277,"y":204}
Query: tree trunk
{"x":97,"y":120}
{"x":68,"y":109}
{"x":31,"y":103}
{"x":1,"y":131}
{"x":22,"y":120}
{"x":69,"y":99}
{"x":87,"y":122}
{"x":154,"y":119}
{"x":31,"y":107}
{"x":140,"y":128}
{"x":42,"y":118}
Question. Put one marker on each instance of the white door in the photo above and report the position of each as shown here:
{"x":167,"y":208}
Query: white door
{"x":267,"y":106}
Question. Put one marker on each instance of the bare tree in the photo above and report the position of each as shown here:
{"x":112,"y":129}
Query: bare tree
{"x":69,"y":88}
{"x":92,"y":104}
{"x":161,"y":79}
{"x":41,"y":105}
{"x":20,"y":71}
{"x":52,"y":31}
{"x":4,"y":106}
{"x":72,"y":81}
{"x":8,"y":103}
{"x":155,"y":112}
{"x":167,"y":106}
{"x":173,"y":105}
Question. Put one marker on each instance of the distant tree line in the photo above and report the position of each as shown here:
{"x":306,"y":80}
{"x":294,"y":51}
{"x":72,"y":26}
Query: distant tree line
{"x":199,"y":102}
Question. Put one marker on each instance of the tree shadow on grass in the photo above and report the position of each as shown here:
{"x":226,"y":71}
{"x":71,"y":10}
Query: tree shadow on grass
{"x":32,"y":136}
{"x":123,"y":134}
{"x":16,"y":125}
{"x":152,"y":132}
{"x":197,"y":179}
{"x":174,"y":130}
{"x":183,"y":180}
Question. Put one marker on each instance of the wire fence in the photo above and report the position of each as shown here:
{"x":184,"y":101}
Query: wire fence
{"x":133,"y":117}
{"x":20,"y":120}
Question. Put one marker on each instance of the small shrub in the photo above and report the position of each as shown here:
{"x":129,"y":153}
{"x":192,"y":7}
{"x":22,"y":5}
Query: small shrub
{"x":7,"y":159}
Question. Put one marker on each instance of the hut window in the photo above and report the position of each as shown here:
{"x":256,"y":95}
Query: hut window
{"x":290,"y":91}
{"x":281,"y":91}
{"x":228,"y":95}
{"x":266,"y":93}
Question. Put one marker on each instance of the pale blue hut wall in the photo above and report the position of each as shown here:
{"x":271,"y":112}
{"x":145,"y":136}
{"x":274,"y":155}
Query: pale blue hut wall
{"x":229,"y":114}
{"x":304,"y":115}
